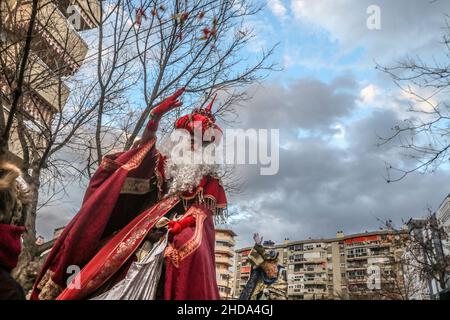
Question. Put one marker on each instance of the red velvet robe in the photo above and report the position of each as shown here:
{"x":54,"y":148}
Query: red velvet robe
{"x":190,"y":261}
{"x":104,"y":207}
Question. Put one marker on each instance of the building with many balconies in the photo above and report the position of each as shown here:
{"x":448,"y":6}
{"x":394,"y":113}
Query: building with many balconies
{"x":431,"y":249}
{"x":335,"y":268}
{"x":56,"y":51}
{"x":224,"y":252}
{"x":443,"y":217}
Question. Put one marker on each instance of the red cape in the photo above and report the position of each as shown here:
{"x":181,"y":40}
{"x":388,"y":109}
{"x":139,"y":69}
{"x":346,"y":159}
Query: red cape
{"x":103,"y":208}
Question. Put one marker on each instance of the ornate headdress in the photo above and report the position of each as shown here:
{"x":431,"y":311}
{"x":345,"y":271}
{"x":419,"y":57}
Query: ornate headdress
{"x":200,"y":119}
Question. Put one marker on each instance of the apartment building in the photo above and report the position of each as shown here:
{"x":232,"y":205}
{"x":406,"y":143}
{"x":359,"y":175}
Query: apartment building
{"x":432,"y":249}
{"x":443,"y":217}
{"x":224,"y":252}
{"x":57,"y":51}
{"x":335,"y":268}
{"x":307,"y":272}
{"x":370,"y":265}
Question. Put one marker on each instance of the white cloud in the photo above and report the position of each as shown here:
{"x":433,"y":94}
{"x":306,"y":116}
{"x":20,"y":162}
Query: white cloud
{"x":340,"y":131}
{"x":369,"y":94}
{"x":400,"y":101}
{"x":407,"y":26}
{"x":277,"y":7}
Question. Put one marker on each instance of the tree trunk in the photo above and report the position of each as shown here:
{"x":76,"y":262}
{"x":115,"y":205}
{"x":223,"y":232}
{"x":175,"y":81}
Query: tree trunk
{"x":29,"y":261}
{"x":17,"y":88}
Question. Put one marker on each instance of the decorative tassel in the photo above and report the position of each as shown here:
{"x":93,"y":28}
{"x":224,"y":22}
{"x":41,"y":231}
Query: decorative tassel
{"x":200,"y":196}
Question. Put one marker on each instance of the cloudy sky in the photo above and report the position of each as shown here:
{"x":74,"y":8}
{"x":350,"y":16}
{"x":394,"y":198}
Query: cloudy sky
{"x":330,"y":104}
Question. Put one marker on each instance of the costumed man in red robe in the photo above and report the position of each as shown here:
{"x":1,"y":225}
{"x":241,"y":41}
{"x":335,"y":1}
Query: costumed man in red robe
{"x":146,"y":226}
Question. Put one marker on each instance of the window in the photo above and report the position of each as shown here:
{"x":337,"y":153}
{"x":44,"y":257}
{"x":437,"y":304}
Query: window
{"x":298,"y":247}
{"x":224,"y":277}
{"x":223,"y":243}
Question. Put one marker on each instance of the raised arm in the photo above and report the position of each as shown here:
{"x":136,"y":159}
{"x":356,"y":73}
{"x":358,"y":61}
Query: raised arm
{"x":164,"y":107}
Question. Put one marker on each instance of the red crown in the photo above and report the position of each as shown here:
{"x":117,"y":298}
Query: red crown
{"x":199,"y":116}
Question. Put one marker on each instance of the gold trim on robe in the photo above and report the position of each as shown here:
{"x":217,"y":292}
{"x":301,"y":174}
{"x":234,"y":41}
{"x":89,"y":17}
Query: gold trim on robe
{"x":136,"y":186}
{"x":49,"y":289}
{"x":178,"y":255}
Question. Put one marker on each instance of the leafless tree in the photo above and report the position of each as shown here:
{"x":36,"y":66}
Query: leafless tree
{"x":139,"y":54}
{"x":158,"y":46}
{"x":37,"y":116}
{"x":423,"y":256}
{"x":16,"y":81}
{"x":424,"y":134}
{"x":398,"y":281}
{"x":196,"y":44}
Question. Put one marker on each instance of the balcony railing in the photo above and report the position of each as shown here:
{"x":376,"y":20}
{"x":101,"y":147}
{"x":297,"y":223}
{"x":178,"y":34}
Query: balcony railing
{"x":224,"y":260}
{"x":357,"y":266}
{"x":89,"y":10}
{"x":226,"y":250}
{"x":41,"y":81}
{"x":230,"y":240}
{"x":307,"y":260}
{"x":68,"y":48}
{"x":310,"y":270}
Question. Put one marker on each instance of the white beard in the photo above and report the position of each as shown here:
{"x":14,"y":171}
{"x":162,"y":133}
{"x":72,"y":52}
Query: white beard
{"x":184,"y":177}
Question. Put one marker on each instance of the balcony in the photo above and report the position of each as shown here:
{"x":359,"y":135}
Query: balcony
{"x":227,"y":239}
{"x":48,"y":94}
{"x":357,"y":279}
{"x":357,"y":266}
{"x":57,"y":43}
{"x":315,"y":281}
{"x":89,"y":11}
{"x":15,"y":152}
{"x":308,"y":294}
{"x":224,"y":260}
{"x":225,"y":283}
{"x":308,"y":260}
{"x":310,"y":270}
{"x":357,"y":257}
{"x":319,"y":295}
{"x":225,"y":250}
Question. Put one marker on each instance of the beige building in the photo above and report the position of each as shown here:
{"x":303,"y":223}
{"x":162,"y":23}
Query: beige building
{"x":335,"y":268}
{"x":57,"y":51}
{"x":224,"y":252}
{"x":443,"y":216}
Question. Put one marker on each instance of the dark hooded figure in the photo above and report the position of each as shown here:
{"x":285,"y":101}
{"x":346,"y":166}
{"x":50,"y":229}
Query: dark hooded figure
{"x":13,"y":201}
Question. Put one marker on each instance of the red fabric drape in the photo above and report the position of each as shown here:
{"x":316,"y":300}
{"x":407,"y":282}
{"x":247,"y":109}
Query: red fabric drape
{"x":117,"y":251}
{"x":104,"y":209}
{"x":81,"y":237}
{"x":194,"y":277}
{"x":10,"y":245}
